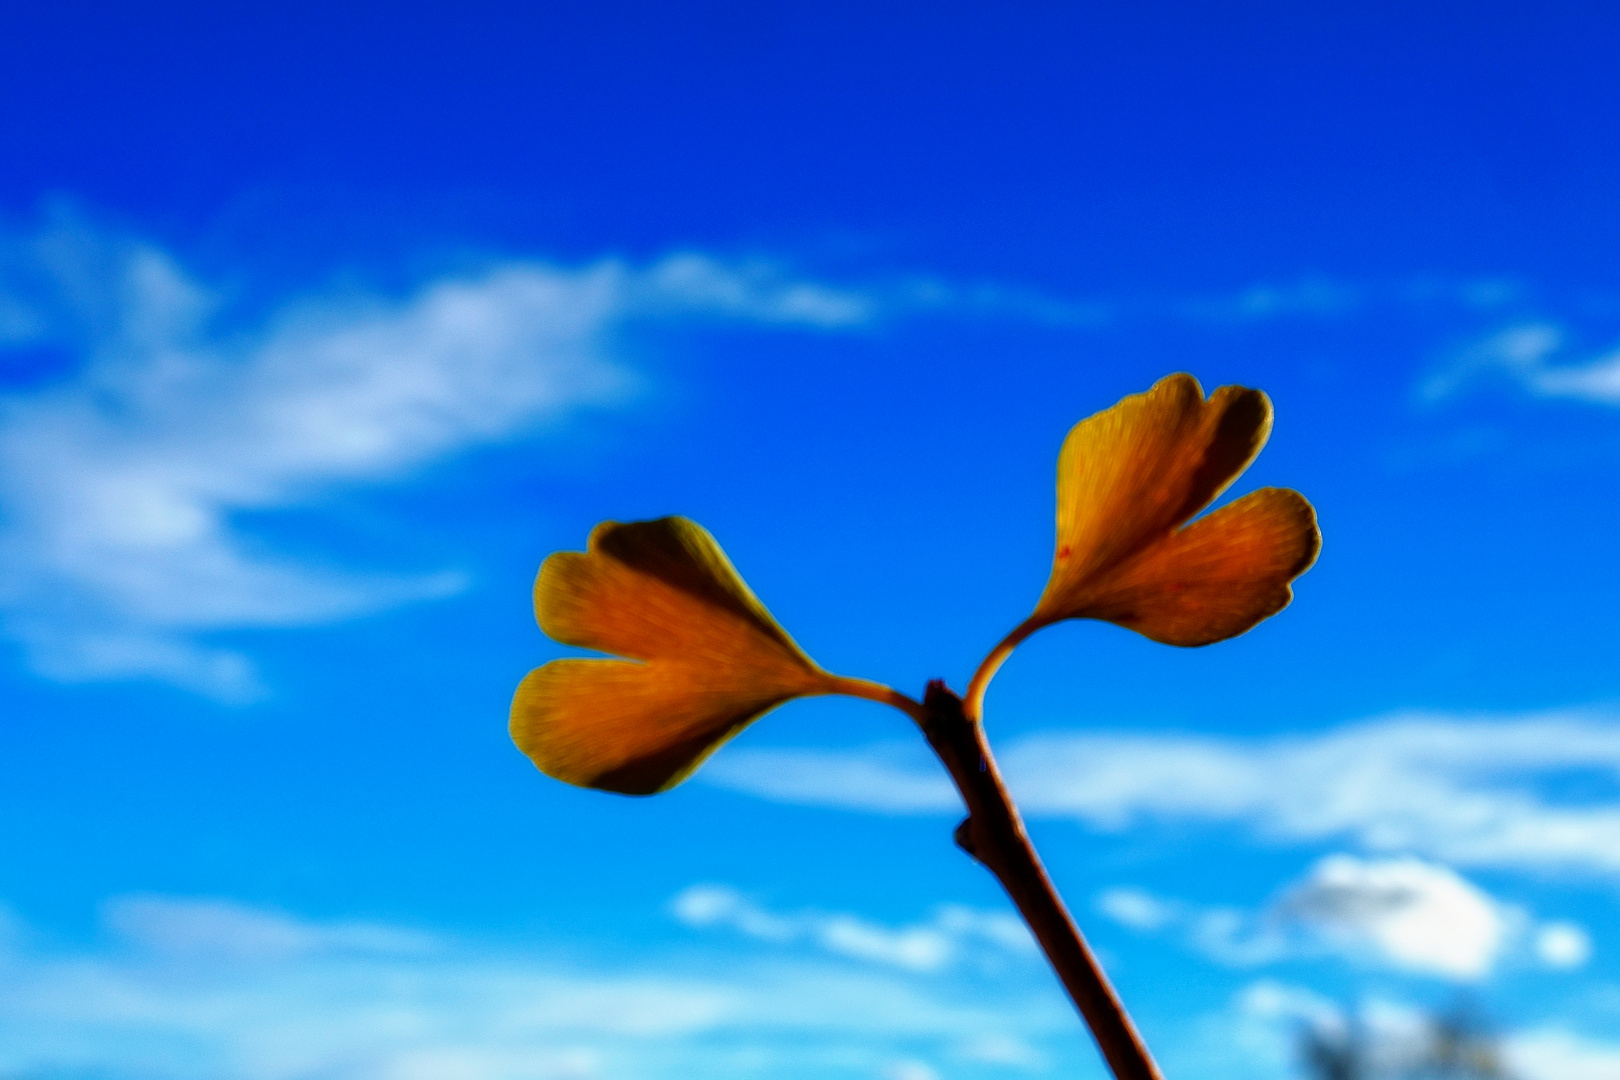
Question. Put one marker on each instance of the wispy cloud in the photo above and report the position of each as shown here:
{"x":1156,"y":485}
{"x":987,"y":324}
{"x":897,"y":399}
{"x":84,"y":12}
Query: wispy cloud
{"x":995,"y":300}
{"x":1553,"y":1053}
{"x":887,"y":779}
{"x":124,"y":485}
{"x":1309,"y":297}
{"x":1299,"y":299}
{"x":1528,"y":354}
{"x":1403,"y":914}
{"x":120,"y":488}
{"x":268,"y":996}
{"x":220,"y":928}
{"x":1468,"y":792}
{"x":929,"y":946}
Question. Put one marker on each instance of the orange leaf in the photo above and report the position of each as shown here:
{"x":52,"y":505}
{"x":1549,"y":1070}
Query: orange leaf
{"x":1217,"y":577}
{"x":706,"y":659}
{"x":1130,"y":476}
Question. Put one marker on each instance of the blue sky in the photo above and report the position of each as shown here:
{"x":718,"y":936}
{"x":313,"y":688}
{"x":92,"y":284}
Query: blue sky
{"x":321,"y":325}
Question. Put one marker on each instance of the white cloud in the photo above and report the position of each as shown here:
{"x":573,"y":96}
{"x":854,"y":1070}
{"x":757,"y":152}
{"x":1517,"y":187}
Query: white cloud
{"x":719,"y":905}
{"x":691,"y":282}
{"x":1270,"y":1000}
{"x":1525,"y":354}
{"x":1409,"y":914}
{"x":474,"y":1063}
{"x":1596,"y":381}
{"x":1306,"y":298}
{"x":1563,"y":945}
{"x":1311,"y":297}
{"x":1555,"y":1054}
{"x":188,"y":989}
{"x":1402,"y":914}
{"x":1002,"y":1050}
{"x":223,"y":928}
{"x":991,"y":299}
{"x":1138,"y":908}
{"x":924,"y":947}
{"x":909,"y":1070}
{"x":1469,"y":792}
{"x":884,"y":779}
{"x":121,"y":487}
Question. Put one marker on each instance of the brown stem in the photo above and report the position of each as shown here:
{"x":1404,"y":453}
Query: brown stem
{"x":993,"y":833}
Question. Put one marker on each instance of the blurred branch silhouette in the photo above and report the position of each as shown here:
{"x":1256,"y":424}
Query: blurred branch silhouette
{"x":1458,"y":1043}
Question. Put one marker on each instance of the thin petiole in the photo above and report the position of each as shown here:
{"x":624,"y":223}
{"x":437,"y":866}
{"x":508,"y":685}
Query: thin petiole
{"x":973,"y":700}
{"x":876,"y":691}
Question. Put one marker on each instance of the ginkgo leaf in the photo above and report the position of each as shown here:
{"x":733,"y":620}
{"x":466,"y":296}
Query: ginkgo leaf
{"x":1217,"y":577}
{"x":1131,"y":476}
{"x":703,"y":659}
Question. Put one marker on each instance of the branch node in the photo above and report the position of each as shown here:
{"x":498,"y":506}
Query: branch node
{"x":964,"y":837}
